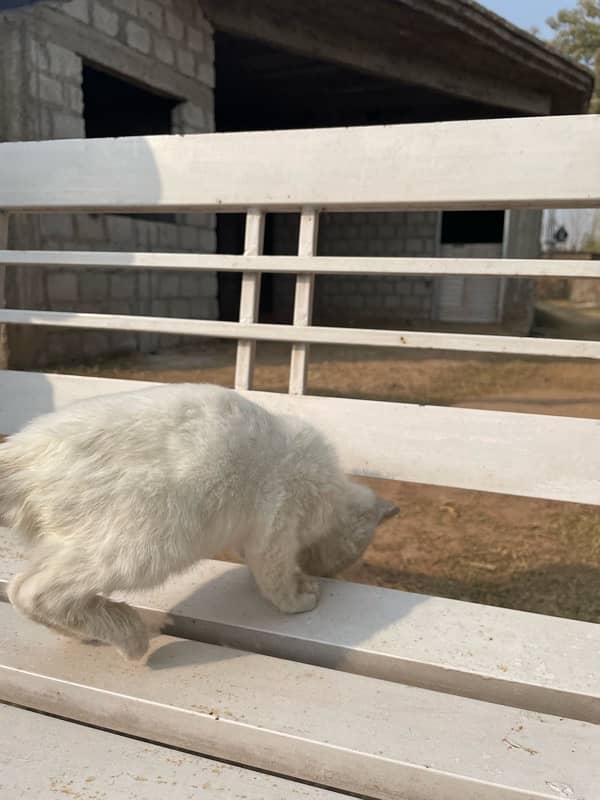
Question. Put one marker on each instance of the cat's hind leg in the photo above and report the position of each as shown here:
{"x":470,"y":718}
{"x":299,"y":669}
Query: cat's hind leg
{"x":56,"y":590}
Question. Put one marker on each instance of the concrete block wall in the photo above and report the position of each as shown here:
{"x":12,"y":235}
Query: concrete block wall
{"x":383,"y":301}
{"x":360,"y":300}
{"x":54,"y":89}
{"x":148,"y":293}
{"x":166,"y":45}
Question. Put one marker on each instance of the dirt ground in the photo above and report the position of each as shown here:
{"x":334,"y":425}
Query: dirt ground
{"x":533,"y":555}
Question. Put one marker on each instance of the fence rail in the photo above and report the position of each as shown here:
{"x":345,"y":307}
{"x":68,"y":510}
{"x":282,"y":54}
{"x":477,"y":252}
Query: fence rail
{"x":320,"y":265}
{"x":500,"y":163}
{"x":251,"y":331}
{"x":506,"y":163}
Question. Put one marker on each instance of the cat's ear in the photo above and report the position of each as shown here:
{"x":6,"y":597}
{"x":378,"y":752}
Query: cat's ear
{"x":384,"y":509}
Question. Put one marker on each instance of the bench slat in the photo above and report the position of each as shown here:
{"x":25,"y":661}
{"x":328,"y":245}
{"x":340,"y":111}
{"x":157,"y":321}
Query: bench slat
{"x":330,"y":265}
{"x":45,"y":758}
{"x":513,"y":345}
{"x":435,"y":643}
{"x":344,"y":731}
{"x":541,"y":663}
{"x":463,"y":448}
{"x":502,"y":163}
{"x":549,"y":665}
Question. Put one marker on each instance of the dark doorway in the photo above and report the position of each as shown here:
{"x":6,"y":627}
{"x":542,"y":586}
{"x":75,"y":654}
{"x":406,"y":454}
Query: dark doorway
{"x":261,"y":87}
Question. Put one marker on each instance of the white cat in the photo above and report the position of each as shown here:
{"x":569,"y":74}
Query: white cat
{"x":119,"y":492}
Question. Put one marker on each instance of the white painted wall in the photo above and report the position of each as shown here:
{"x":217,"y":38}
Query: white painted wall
{"x":582,"y":225}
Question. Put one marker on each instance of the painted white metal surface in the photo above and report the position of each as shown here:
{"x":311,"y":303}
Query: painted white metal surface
{"x":462,"y":648}
{"x":347,"y":728}
{"x":249,"y":299}
{"x":3,"y":244}
{"x":330,"y":265}
{"x":538,"y":162}
{"x":303,"y":300}
{"x":345,"y":731}
{"x":446,"y":645}
{"x":464,"y":448}
{"x":46,"y":758}
{"x":515,"y":345}
{"x":25,"y":395}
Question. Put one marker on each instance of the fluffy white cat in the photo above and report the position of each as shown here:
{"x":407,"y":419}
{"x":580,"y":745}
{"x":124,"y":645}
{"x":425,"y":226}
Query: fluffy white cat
{"x":119,"y":492}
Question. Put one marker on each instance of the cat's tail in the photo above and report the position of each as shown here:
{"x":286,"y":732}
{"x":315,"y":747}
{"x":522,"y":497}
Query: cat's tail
{"x":15,"y":505}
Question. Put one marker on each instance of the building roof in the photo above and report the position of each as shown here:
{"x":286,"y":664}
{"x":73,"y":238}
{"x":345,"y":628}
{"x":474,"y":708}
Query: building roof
{"x":423,"y":39}
{"x":529,"y":55}
{"x":456,"y":47}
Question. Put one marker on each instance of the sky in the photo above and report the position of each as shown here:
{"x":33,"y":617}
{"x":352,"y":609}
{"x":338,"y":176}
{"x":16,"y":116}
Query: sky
{"x":526,"y":13}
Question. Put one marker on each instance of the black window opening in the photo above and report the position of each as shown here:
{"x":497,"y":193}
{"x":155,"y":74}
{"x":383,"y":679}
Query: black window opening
{"x":472,"y":227}
{"x":115,"y":106}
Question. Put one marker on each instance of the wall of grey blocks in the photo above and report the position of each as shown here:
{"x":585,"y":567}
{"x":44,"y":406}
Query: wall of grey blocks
{"x":361,"y":300}
{"x":171,"y":42}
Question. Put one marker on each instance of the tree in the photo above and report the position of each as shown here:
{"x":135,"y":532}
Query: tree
{"x":577,"y":35}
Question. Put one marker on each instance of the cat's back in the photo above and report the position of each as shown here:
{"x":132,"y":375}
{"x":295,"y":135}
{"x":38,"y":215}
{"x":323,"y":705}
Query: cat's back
{"x":146,"y":424}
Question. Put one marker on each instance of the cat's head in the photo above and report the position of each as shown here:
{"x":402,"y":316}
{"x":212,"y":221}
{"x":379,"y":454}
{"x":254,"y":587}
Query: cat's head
{"x":365,"y":511}
{"x":361,"y":512}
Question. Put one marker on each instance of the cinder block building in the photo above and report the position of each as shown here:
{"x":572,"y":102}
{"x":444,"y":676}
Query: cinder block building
{"x":98,"y":68}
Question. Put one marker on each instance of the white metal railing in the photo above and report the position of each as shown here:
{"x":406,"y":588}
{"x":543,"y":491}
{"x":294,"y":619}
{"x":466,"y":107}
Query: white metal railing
{"x":306,"y":265}
{"x":301,"y":333}
{"x":249,"y":299}
{"x":254,"y":331}
{"x":474,"y":664}
{"x":547,"y":162}
{"x":325,"y":265}
{"x":494,"y":163}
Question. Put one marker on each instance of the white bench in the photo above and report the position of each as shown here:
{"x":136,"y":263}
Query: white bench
{"x":377,"y":693}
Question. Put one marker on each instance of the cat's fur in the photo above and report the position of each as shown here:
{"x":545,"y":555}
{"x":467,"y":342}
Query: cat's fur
{"x":119,"y":492}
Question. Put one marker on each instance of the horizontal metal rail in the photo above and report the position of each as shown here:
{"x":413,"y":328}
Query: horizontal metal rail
{"x":514,"y":345}
{"x":325,"y":265}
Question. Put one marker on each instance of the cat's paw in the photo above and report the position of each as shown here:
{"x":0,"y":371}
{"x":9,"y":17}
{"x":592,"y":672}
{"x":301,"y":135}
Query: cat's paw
{"x":305,"y":598}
